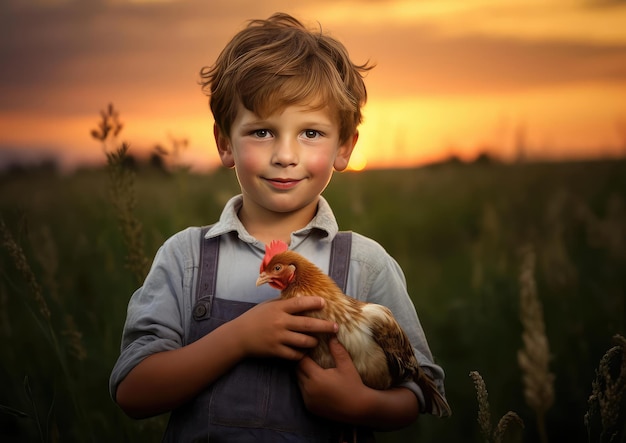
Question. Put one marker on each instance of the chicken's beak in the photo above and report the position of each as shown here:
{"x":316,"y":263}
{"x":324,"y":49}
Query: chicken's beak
{"x":263,"y":278}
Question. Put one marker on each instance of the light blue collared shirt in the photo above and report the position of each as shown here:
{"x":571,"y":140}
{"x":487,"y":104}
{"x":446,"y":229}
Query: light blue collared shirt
{"x":159,"y":312}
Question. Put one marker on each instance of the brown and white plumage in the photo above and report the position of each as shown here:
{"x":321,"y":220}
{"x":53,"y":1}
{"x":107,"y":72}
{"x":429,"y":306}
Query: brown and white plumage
{"x":379,"y":348}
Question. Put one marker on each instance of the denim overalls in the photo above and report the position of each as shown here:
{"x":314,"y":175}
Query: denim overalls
{"x":259,"y":399}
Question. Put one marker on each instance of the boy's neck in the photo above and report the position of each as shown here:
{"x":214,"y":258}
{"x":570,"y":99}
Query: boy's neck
{"x":266,"y":226}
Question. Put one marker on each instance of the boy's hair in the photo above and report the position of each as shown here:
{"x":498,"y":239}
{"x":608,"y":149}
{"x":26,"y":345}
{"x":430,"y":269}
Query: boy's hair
{"x":278,"y":62}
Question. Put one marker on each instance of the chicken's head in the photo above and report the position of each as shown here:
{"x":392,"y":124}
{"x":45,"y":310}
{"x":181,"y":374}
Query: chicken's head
{"x":274,"y":269}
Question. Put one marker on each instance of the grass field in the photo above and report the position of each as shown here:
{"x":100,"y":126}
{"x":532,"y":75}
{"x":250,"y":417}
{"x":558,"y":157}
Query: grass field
{"x":462,"y":233}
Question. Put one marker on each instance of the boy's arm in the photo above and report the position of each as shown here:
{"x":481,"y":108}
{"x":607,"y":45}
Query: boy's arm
{"x":340,"y":395}
{"x":167,"y":379}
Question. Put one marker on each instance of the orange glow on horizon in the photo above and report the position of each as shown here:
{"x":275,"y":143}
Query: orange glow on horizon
{"x":396,"y":132}
{"x":550,"y":123}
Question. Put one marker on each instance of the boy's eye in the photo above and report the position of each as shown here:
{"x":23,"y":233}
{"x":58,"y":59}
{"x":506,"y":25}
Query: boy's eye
{"x":311,"y":133}
{"x":261,"y":133}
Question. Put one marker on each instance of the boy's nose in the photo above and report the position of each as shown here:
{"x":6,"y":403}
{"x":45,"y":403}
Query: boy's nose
{"x":285,"y":152}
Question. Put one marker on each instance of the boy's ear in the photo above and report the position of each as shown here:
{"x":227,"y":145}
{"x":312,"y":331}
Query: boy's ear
{"x":344,"y":152}
{"x":223,"y":147}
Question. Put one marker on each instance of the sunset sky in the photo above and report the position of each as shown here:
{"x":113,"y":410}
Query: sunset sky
{"x":453,"y":77}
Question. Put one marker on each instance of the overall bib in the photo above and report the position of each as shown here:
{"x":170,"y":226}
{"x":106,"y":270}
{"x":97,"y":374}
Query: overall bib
{"x":258,"y":400}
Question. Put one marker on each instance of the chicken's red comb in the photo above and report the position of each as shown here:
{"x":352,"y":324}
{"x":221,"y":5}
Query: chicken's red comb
{"x":275,"y":247}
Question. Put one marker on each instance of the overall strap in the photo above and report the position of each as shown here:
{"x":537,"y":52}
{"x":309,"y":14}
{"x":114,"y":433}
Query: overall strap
{"x":338,"y":270}
{"x":340,"y":259}
{"x":207,"y":268}
{"x":207,"y":274}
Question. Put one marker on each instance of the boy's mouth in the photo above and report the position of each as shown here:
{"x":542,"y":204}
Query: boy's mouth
{"x":283,"y":183}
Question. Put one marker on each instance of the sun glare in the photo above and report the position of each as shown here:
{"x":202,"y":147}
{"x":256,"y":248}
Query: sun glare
{"x":358,"y":161}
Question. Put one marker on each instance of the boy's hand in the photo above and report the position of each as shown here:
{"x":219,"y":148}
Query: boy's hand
{"x":331,"y":392}
{"x":273,"y":328}
{"x":339,"y":395}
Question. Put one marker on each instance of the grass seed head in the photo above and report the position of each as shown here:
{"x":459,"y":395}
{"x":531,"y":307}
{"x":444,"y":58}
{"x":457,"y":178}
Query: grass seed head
{"x":608,"y":392}
{"x":534,"y":357}
{"x":484,"y":416}
{"x":504,"y":425}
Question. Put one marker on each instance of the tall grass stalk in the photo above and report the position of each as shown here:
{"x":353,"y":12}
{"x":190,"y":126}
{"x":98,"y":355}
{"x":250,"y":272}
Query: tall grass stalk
{"x":44,"y":321}
{"x":23,"y":267}
{"x":490,"y":434}
{"x":109,"y":127}
{"x":122,"y":180}
{"x":484,"y":416}
{"x":534,"y":357}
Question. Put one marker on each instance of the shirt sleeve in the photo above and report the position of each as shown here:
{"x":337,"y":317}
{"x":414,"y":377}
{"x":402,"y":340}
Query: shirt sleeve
{"x":382,"y":281}
{"x":155,"y":320}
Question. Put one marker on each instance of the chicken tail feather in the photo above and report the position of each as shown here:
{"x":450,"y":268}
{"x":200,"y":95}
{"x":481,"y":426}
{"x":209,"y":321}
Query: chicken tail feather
{"x":434,"y":400}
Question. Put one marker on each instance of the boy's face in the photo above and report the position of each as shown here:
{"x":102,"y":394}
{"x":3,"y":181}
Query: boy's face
{"x":284,"y":161}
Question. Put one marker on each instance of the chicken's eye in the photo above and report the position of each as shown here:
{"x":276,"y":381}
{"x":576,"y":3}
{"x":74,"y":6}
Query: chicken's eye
{"x":277,"y":268}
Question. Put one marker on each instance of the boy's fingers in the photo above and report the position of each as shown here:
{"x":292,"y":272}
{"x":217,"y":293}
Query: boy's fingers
{"x":305,"y":366}
{"x":308,"y":370}
{"x":300,"y":304}
{"x":339,"y":353}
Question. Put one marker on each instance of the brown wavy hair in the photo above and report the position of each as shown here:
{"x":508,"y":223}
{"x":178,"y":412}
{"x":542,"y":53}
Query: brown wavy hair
{"x":278,"y":62}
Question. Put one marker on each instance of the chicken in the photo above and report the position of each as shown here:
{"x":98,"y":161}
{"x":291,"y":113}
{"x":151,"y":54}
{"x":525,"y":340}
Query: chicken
{"x":380,"y":349}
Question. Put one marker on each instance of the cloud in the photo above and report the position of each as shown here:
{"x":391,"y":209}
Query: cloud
{"x":603,"y":3}
{"x":70,"y":46}
{"x":72,"y":56}
{"x":424,"y":63}
{"x":566,"y":20}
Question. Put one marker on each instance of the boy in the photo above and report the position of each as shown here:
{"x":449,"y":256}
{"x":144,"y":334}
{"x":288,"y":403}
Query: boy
{"x":232,"y":366}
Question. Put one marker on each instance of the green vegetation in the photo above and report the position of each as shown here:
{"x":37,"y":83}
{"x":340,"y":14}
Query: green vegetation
{"x":470,"y":238}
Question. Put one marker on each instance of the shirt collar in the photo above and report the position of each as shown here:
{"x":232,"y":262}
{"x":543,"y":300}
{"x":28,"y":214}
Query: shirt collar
{"x":324,"y":221}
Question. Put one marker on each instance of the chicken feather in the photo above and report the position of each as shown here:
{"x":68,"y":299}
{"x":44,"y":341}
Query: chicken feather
{"x":379,"y":348}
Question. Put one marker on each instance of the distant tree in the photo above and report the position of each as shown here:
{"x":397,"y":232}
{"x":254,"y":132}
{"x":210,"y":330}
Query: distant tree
{"x":157,"y":159}
{"x":484,"y":158}
{"x":45,"y":166}
{"x":521,"y":144}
